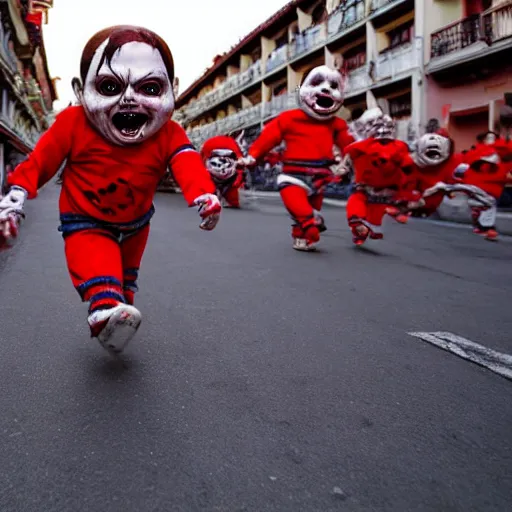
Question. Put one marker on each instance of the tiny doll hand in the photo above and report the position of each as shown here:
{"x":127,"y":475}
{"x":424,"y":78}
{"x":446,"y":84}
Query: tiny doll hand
{"x":247,"y":161}
{"x":11,"y":212}
{"x":209,"y":210}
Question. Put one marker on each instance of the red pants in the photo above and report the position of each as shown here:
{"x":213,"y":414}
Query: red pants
{"x":359,"y":208}
{"x":301,"y":206}
{"x":103,"y":270}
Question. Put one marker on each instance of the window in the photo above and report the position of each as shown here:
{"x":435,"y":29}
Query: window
{"x":355,"y":58}
{"x":401,"y":35}
{"x":400,"y":106}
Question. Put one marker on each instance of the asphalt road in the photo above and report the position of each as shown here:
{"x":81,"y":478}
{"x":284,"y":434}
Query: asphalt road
{"x":261,"y":379}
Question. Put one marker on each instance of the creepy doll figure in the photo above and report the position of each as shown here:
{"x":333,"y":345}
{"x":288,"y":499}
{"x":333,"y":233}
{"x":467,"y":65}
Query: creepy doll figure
{"x":435,"y":163}
{"x":488,"y":174}
{"x":117,"y":145}
{"x":309,"y":132}
{"x":220,"y":155}
{"x":381,"y":165}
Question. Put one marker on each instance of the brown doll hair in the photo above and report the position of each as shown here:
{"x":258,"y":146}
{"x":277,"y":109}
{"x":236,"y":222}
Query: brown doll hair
{"x":118,"y":36}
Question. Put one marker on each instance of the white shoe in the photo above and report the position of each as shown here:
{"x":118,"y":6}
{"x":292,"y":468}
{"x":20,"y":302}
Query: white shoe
{"x":120,"y":325}
{"x":301,"y":244}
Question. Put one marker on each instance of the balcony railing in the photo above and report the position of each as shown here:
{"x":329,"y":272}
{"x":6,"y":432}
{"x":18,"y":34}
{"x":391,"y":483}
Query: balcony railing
{"x":308,"y":40}
{"x":396,"y":61}
{"x":497,"y":23}
{"x":358,"y":80}
{"x":277,"y":58}
{"x":345,"y":16}
{"x":243,"y":118}
{"x":456,"y":36}
{"x":379,"y":4}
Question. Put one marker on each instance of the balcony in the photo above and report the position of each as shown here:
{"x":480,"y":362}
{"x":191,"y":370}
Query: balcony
{"x":277,"y":58}
{"x":358,"y":81}
{"x":397,"y":61}
{"x":307,"y":41}
{"x":497,"y":23}
{"x":456,"y":36}
{"x":233,"y":85}
{"x":376,"y":5}
{"x":243,"y":119}
{"x":279,"y":104}
{"x":348,"y":14}
{"x":474,"y":37}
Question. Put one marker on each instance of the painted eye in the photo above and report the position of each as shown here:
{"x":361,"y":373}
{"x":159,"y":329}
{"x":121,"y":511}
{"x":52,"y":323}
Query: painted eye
{"x":151,"y":89}
{"x":109,"y":87}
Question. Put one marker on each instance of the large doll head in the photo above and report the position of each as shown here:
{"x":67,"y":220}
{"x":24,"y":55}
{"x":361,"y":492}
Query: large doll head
{"x":126,"y":84}
{"x":375,"y":124}
{"x":220,"y":155}
{"x":321,"y":92}
{"x":434,"y":147}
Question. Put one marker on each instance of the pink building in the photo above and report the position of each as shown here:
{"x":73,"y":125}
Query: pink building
{"x":468,"y":65}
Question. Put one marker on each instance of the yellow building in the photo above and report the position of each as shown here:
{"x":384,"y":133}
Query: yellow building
{"x":379,"y":43}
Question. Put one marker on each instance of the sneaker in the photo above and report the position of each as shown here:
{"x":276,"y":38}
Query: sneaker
{"x":115,"y":327}
{"x":301,"y":244}
{"x":360,"y":233}
{"x":396,"y":214}
{"x":491,"y":235}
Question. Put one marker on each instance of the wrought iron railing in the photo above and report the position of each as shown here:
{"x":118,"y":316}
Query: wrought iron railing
{"x":497,"y":23}
{"x":456,"y":36}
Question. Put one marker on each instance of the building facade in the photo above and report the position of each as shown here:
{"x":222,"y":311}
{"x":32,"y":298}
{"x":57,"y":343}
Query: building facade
{"x":468,"y":64}
{"x":418,"y":58}
{"x":27,"y":91}
{"x":379,"y":43}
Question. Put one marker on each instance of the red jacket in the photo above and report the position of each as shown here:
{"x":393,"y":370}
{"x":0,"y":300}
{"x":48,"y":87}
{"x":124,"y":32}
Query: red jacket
{"x":380,"y":164}
{"x":307,"y":139}
{"x":490,"y":177}
{"x":107,"y":182}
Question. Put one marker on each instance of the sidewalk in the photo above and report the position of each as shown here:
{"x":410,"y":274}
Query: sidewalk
{"x":451,"y":210}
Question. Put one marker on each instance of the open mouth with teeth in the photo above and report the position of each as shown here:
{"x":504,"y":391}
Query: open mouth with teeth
{"x":129,"y":124}
{"x":324,"y":102}
{"x":433,"y":153}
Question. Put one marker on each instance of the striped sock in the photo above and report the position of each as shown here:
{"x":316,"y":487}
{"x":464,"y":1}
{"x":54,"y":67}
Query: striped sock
{"x":103,"y":292}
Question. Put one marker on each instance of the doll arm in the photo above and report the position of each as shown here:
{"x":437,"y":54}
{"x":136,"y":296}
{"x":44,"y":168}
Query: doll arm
{"x":187,"y":166}
{"x":45,"y":160}
{"x":269,"y":138}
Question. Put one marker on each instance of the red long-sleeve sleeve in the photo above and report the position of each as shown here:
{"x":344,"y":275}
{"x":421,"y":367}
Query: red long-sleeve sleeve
{"x":50,"y":152}
{"x":268,"y":139}
{"x":187,"y":166}
{"x":342,"y":136}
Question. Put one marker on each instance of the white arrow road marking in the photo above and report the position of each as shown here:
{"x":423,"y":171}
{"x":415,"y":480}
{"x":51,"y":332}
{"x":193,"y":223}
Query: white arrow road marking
{"x":498,"y":362}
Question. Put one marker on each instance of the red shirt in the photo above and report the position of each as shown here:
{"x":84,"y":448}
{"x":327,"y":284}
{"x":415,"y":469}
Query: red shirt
{"x":306,"y":138}
{"x":380,"y":164}
{"x":107,"y":182}
{"x":428,"y":176}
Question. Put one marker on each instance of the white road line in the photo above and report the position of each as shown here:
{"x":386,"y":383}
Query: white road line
{"x":498,"y":362}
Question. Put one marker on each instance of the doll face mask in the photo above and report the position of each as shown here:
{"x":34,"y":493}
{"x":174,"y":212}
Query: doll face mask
{"x":129,"y":96}
{"x":321,"y":93}
{"x":222,"y":163}
{"x":433,"y":149}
